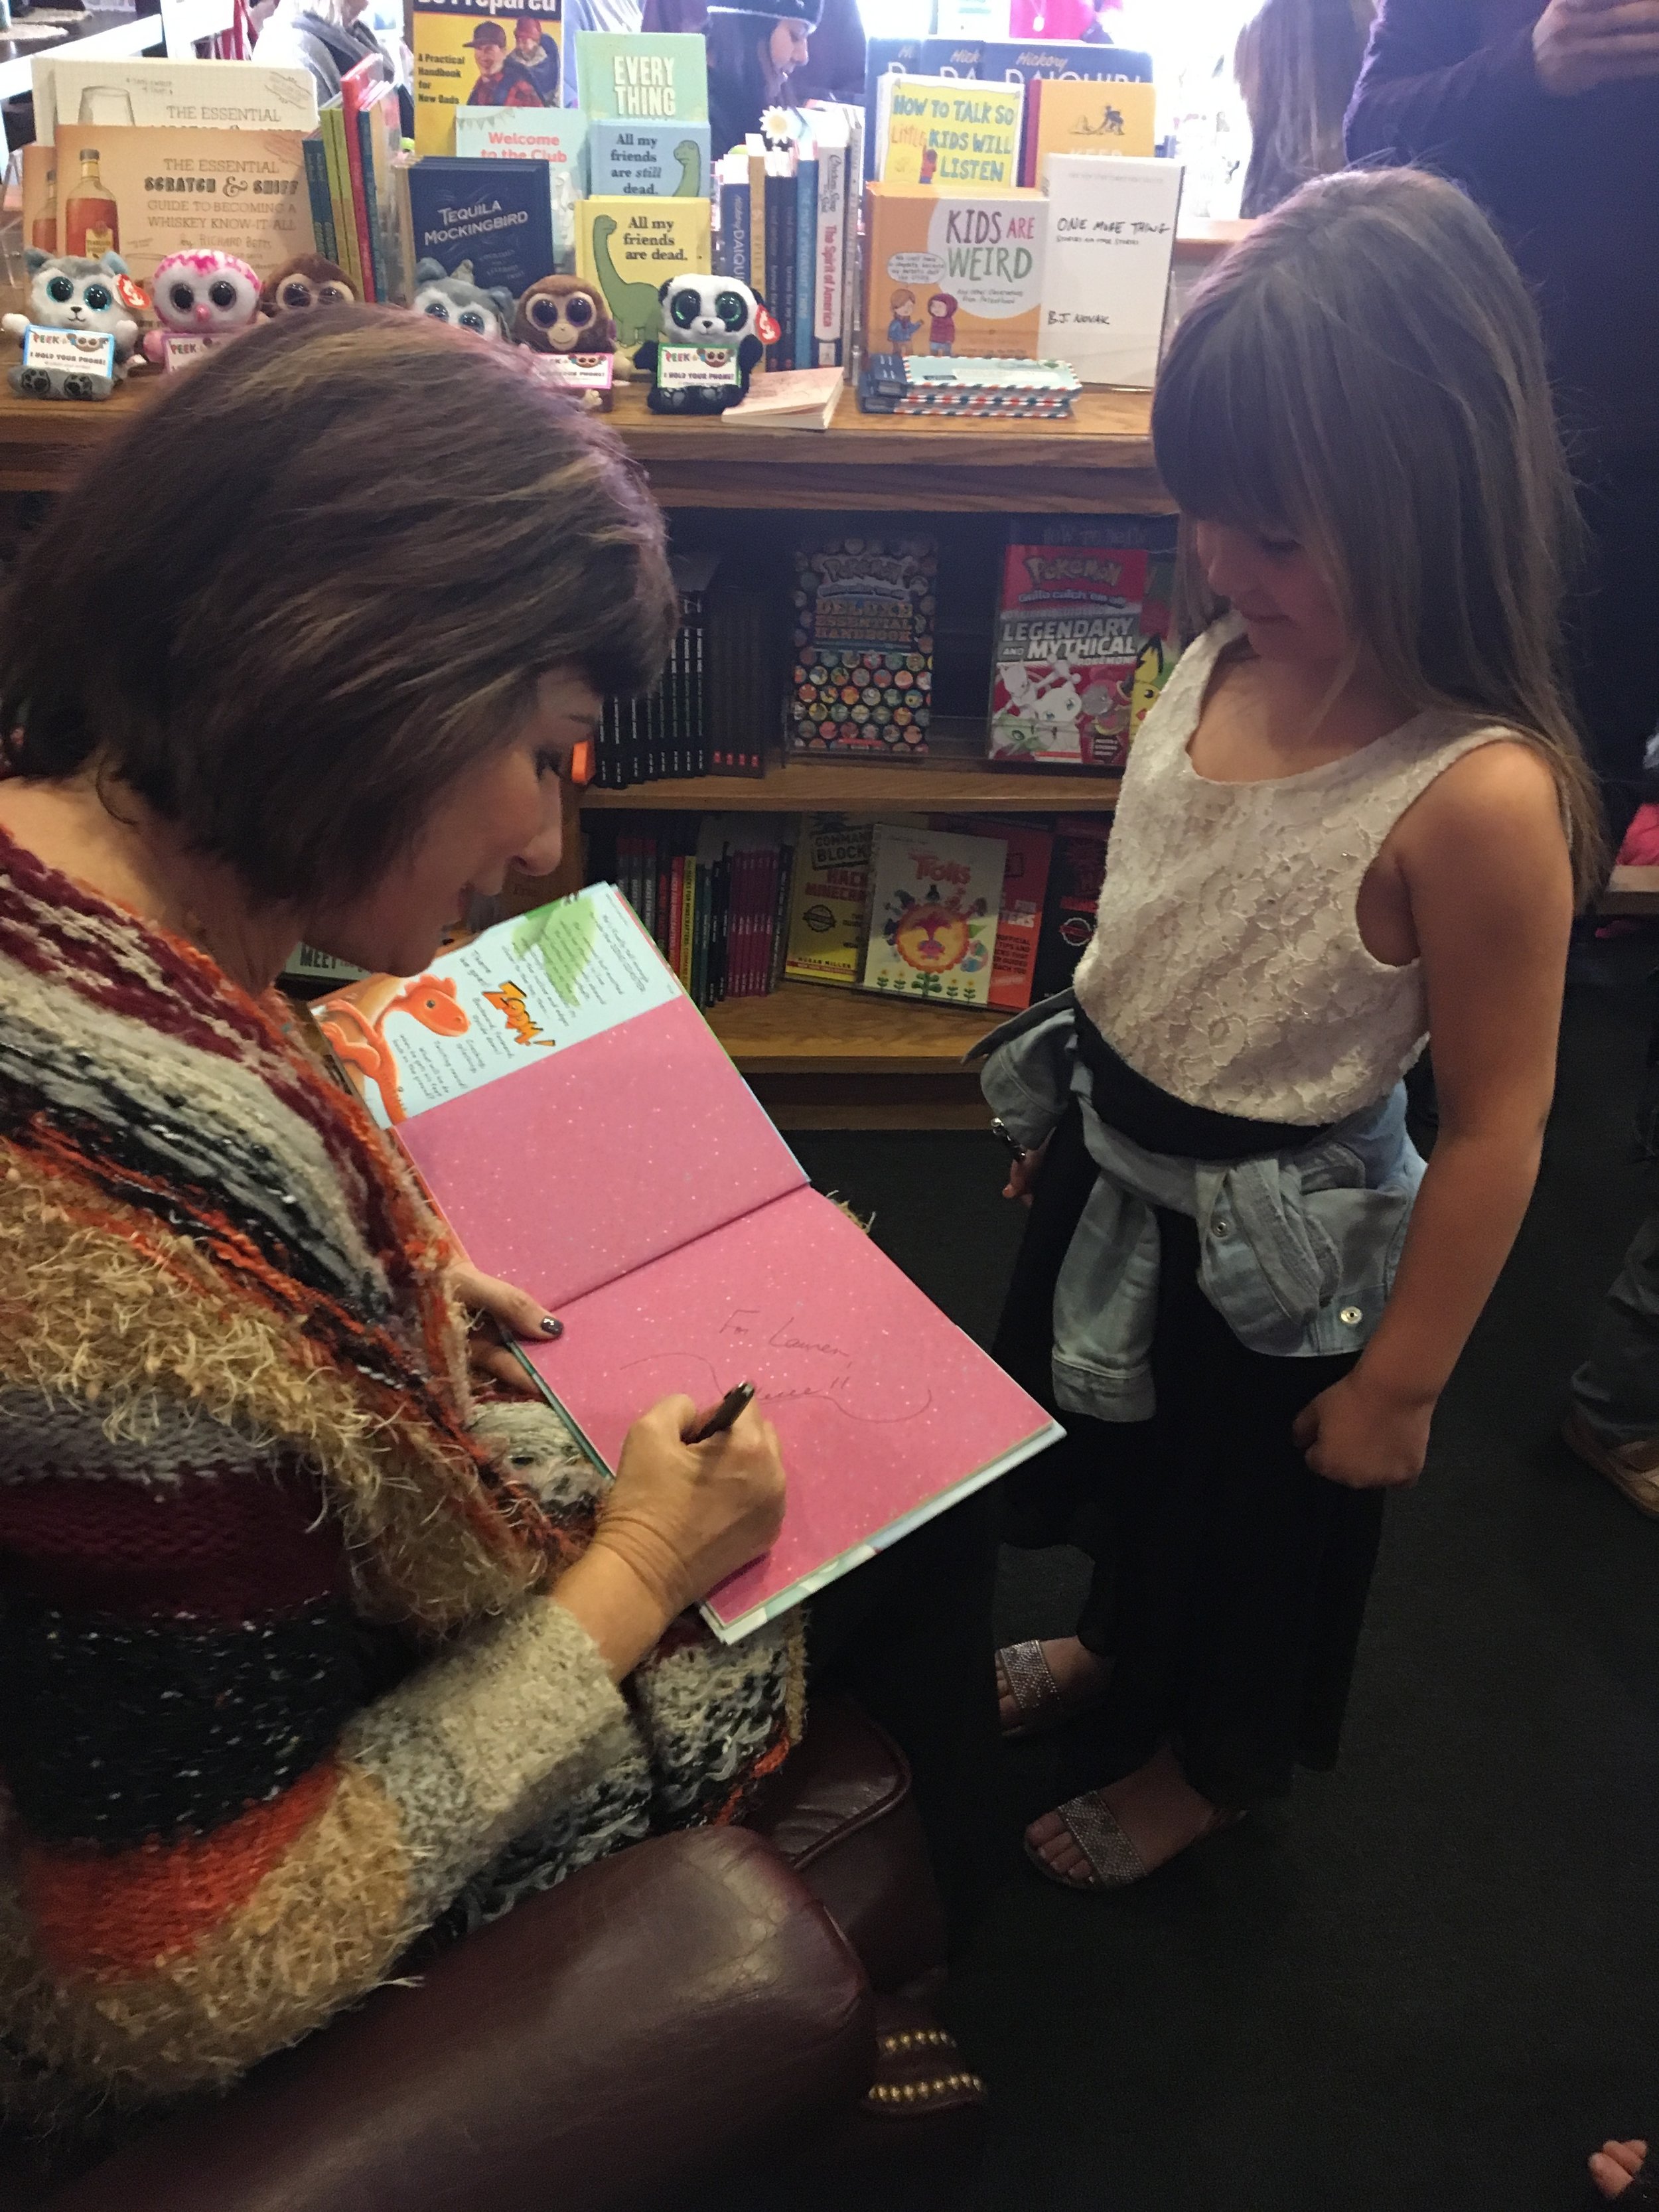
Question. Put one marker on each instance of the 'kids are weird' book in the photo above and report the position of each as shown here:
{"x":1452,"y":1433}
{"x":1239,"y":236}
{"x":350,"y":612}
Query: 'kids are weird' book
{"x":863,"y":676}
{"x":1083,"y":639}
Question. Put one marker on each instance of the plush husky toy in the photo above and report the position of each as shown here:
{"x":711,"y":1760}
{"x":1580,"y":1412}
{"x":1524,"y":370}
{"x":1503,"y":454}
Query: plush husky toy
{"x":726,"y":324}
{"x":458,"y":299}
{"x":97,"y":298}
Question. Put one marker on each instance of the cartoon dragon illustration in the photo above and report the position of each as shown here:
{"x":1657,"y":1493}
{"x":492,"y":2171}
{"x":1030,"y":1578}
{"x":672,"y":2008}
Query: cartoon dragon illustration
{"x":355,"y":1025}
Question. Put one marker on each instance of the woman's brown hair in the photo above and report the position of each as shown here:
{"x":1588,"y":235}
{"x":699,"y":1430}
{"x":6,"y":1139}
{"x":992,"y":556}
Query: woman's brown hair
{"x":1365,"y":371}
{"x":316,"y":580}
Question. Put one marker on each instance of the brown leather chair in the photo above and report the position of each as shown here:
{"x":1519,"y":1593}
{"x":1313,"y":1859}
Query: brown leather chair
{"x":738,"y":2017}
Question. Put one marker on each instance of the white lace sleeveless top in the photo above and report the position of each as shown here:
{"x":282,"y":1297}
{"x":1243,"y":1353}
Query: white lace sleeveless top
{"x":1227,"y":965}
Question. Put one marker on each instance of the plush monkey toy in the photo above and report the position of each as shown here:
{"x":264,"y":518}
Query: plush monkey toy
{"x":565,"y":316}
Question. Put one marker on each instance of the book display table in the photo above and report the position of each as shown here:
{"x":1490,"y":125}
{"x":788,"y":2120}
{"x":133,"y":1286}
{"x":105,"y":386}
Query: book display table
{"x":817,"y":1057}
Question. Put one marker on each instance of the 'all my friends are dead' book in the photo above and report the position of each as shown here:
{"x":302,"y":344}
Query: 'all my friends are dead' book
{"x":586,"y":1137}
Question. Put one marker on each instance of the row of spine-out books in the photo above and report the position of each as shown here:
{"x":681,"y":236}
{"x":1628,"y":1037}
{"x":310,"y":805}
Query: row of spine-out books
{"x":788,"y":228}
{"x":708,"y":716}
{"x":940,"y":909}
{"x":712,"y":890}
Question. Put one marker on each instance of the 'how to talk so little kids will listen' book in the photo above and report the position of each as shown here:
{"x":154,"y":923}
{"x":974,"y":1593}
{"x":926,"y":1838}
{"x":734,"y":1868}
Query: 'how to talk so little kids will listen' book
{"x":583,"y":1131}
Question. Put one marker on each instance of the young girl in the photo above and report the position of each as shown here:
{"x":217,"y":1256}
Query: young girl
{"x":1357,"y":813}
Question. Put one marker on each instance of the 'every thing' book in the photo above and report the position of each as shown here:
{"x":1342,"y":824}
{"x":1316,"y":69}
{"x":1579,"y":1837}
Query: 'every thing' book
{"x":586,"y":1137}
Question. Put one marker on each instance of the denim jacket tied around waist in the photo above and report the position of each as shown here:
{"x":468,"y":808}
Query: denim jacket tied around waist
{"x":1297,"y":1249}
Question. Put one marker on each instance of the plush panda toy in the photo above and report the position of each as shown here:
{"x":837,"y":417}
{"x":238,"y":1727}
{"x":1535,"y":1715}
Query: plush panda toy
{"x":91,"y":300}
{"x":457,"y":299}
{"x":725,"y":325}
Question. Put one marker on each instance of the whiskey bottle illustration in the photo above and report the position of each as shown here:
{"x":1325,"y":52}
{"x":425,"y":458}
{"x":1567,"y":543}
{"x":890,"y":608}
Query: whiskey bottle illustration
{"x":91,"y":220}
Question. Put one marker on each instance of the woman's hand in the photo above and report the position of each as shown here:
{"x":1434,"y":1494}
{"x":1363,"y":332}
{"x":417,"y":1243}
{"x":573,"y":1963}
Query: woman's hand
{"x":1364,"y":1438}
{"x":487,"y":1299}
{"x":683,"y":1516}
{"x":1024,"y":1170}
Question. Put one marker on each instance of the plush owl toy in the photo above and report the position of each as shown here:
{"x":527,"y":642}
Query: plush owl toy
{"x":458,"y":299}
{"x":91,"y":301}
{"x":714,"y":332}
{"x":202,"y":299}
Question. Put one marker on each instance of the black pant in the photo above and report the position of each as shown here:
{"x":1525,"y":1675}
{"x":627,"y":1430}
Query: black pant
{"x":1613,"y":630}
{"x":908,"y":1636}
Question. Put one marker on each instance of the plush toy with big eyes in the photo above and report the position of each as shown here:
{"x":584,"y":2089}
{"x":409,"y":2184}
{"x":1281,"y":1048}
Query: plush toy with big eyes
{"x":562,"y":317}
{"x":726,"y":325}
{"x":458,"y":299}
{"x":307,"y":282}
{"x":89,"y":299}
{"x":202,"y":299}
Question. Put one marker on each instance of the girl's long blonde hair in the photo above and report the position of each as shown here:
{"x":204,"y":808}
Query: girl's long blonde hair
{"x":1366,"y":371}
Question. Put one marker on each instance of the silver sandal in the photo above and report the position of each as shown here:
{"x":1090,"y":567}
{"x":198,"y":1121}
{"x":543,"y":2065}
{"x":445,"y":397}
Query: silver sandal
{"x":1024,"y":1675}
{"x":1113,"y":1861}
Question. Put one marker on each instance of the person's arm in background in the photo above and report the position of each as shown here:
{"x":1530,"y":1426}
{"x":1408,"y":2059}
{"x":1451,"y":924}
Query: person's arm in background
{"x":1431,"y":92}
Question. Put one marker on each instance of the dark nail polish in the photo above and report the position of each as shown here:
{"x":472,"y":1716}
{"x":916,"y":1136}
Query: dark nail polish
{"x":551,"y":1327}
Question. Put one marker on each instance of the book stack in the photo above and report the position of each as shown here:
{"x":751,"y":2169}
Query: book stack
{"x":1012,"y":390}
{"x":713,"y":890}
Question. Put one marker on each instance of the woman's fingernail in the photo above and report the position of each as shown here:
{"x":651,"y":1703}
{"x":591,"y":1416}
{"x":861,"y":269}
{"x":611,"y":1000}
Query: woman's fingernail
{"x":551,"y":1327}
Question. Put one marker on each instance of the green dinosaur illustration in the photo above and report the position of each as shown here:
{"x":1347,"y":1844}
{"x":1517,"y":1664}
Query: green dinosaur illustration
{"x":634,"y":305}
{"x":690,"y":157}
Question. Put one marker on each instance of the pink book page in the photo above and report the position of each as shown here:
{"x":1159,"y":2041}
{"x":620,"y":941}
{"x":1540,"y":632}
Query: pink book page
{"x":573,"y":1170}
{"x":883,"y":1408}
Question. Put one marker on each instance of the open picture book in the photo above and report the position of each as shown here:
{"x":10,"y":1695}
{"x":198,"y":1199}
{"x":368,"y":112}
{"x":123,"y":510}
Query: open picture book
{"x":585,"y":1136}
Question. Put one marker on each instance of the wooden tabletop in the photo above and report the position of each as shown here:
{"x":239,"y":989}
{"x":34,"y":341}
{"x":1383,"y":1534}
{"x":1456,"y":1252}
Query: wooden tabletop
{"x":1102,"y":458}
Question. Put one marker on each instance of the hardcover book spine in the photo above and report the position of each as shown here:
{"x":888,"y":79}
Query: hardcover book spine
{"x":829,"y":260}
{"x":780,"y":267}
{"x":735,"y":233}
{"x":322,"y":213}
{"x":370,"y":217}
{"x":804,"y":350}
{"x":339,"y":192}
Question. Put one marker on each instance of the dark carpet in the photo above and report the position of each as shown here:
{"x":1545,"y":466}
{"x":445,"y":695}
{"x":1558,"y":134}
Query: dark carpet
{"x":1431,"y":1981}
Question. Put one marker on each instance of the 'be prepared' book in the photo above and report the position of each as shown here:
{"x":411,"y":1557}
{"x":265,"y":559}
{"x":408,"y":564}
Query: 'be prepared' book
{"x":586,"y":1138}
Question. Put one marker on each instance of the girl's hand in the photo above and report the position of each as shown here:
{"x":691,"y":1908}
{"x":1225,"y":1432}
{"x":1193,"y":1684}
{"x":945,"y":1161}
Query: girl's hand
{"x":683,"y":1516}
{"x":1023,"y":1173}
{"x":1363,"y":1439}
{"x":489,"y":1298}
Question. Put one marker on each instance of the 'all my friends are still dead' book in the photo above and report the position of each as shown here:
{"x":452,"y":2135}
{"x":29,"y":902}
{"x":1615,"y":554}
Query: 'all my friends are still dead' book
{"x":586,"y":1137}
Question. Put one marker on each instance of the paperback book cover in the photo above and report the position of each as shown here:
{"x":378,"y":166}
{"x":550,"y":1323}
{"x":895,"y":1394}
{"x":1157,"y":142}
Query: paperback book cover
{"x":934,"y":902}
{"x":863,"y":676}
{"x":1083,"y":643}
{"x":685,"y":1252}
{"x":953,"y":273}
{"x":664,"y":160}
{"x":1081,"y":115}
{"x":827,"y":900}
{"x":1111,"y":238}
{"x":481,"y":53}
{"x":652,"y":77}
{"x":558,"y":135}
{"x":1019,"y":913}
{"x":173,"y":192}
{"x":951,"y":134}
{"x":151,"y":93}
{"x":1004,"y":61}
{"x":628,"y":247}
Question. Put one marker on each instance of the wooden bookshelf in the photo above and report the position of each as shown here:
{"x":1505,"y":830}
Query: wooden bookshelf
{"x":1101,"y":462}
{"x":876,"y":786}
{"x":818,"y":1058}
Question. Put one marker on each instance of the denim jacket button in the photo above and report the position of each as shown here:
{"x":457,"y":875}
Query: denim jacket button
{"x":1351,"y":1317}
{"x":1219,"y":1228}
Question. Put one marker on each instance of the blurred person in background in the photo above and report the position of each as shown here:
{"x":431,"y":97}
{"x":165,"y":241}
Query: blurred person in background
{"x":1297,"y":63}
